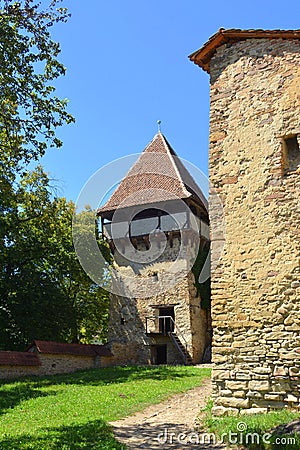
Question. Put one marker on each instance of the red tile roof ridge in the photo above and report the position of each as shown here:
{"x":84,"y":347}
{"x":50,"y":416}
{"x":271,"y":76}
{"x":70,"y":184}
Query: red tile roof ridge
{"x":52,"y":347}
{"x":14,"y":358}
{"x":159,"y":134}
{"x":165,"y":142}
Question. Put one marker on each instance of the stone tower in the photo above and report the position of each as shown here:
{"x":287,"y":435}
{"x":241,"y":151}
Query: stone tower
{"x":156,"y":223}
{"x":254,"y":168}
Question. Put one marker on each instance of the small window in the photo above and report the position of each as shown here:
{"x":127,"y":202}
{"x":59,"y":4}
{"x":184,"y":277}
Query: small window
{"x":291,"y":153}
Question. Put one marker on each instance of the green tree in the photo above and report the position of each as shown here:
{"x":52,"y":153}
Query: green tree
{"x":29,"y":115}
{"x":29,"y":110}
{"x":44,"y":291}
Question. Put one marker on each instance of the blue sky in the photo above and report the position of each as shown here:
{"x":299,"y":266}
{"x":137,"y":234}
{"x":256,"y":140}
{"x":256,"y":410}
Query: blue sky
{"x":127,"y":66}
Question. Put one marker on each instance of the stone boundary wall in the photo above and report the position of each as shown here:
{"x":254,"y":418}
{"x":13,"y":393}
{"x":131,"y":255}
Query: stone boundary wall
{"x":55,"y":364}
{"x":9,"y":371}
{"x":255,"y":107}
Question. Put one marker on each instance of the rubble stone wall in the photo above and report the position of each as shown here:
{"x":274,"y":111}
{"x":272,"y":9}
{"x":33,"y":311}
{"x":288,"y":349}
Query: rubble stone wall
{"x":255,"y":106}
{"x":127,"y":335}
{"x":51,"y":364}
{"x":8,"y":371}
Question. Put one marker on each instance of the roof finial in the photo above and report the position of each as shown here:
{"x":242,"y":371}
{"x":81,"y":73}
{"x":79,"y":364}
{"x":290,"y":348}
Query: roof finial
{"x":158,"y":125}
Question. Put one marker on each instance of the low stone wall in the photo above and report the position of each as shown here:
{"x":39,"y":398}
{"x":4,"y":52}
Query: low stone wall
{"x":107,"y":361}
{"x":9,"y":371}
{"x":129,"y":353}
{"x":55,"y":364}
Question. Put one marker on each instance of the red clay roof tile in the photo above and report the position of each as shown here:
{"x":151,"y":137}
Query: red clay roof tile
{"x":8,"y":358}
{"x":50,"y":347}
{"x":157,"y":176}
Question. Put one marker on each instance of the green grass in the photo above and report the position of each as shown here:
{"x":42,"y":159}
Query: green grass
{"x":70,"y":412}
{"x":261,"y":424}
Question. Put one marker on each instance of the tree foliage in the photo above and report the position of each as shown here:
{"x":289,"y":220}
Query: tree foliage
{"x":44,"y":293}
{"x":29,"y":110}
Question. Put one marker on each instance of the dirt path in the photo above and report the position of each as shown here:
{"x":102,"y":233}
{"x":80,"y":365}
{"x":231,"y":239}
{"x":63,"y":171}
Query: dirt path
{"x":168,"y":425}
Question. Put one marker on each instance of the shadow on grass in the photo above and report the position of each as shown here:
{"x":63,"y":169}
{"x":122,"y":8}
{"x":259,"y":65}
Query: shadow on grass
{"x":111,"y":375}
{"x":96,"y":435}
{"x":9,"y":398}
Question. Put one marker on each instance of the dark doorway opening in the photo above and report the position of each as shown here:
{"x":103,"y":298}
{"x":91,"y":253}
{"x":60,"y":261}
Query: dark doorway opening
{"x":166,"y":320}
{"x":159,"y":354}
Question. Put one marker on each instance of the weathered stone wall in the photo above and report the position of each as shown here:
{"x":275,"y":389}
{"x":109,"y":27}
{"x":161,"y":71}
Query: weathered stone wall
{"x":54,"y":364}
{"x":10,"y":371}
{"x":173,"y":356}
{"x":255,"y":104}
{"x":127,"y":335}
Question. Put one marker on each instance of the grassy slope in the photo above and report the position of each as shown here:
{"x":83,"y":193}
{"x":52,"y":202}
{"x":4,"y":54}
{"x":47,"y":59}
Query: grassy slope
{"x":258,"y":424}
{"x":70,"y":412}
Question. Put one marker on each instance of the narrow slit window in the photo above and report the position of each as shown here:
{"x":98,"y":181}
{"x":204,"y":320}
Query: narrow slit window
{"x":291,"y":153}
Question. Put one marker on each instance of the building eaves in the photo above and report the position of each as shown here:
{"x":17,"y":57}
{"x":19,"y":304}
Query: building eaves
{"x":10,"y":358}
{"x":203,"y":56}
{"x":61,"y":348}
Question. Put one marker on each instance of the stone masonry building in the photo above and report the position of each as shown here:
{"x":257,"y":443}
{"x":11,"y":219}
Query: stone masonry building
{"x":254,"y":168}
{"x":156,"y":222}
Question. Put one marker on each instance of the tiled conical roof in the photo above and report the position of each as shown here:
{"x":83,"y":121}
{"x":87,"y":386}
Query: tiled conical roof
{"x":157,"y":176}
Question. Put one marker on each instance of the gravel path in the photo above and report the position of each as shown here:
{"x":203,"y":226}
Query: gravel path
{"x":168,"y":425}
